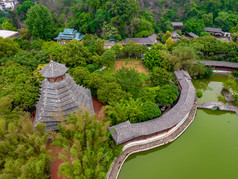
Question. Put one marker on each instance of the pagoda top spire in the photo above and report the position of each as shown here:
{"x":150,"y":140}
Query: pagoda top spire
{"x":54,"y":70}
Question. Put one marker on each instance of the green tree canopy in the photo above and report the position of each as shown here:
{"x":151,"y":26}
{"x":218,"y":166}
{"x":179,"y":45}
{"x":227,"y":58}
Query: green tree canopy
{"x":158,"y":58}
{"x":74,"y":54}
{"x":23,"y":152}
{"x":8,"y":47}
{"x":160,"y":76}
{"x":7,"y":25}
{"x":87,"y":142}
{"x":129,"y":79}
{"x":39,"y":22}
{"x":167,"y":94}
{"x":108,"y":57}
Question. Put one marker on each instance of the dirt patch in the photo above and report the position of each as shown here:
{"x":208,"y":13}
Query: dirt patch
{"x":97,"y":105}
{"x":133,"y":64}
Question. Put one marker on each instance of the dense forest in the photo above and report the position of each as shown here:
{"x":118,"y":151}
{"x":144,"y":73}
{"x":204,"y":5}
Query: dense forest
{"x":129,"y":18}
{"x":127,"y":93}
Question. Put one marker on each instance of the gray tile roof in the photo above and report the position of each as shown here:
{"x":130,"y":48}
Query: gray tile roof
{"x":54,"y":69}
{"x":148,"y":40}
{"x":65,"y":96}
{"x":219,"y":63}
{"x":126,"y":131}
{"x":191,"y":34}
{"x":211,"y":29}
{"x":177,"y":24}
{"x":174,"y":34}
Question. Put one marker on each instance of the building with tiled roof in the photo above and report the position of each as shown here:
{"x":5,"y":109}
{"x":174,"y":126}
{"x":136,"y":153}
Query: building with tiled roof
{"x":68,"y":35}
{"x":143,"y":41}
{"x":59,"y":93}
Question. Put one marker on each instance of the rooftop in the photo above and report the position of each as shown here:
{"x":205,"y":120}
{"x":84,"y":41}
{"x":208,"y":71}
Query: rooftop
{"x":69,"y":34}
{"x":7,"y":33}
{"x":53,"y":70}
{"x":220,"y":63}
{"x":177,"y":24}
{"x":211,"y":29}
{"x":146,"y":40}
{"x":191,"y":34}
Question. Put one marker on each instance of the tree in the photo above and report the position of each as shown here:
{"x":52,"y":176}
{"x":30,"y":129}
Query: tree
{"x":94,"y":44}
{"x":167,"y":94}
{"x":79,"y":74}
{"x":8,"y":47}
{"x":110,"y":93}
{"x":22,"y":9}
{"x":199,"y":94}
{"x":87,"y":142}
{"x":28,"y":59}
{"x":158,"y":58}
{"x":208,"y":19}
{"x":19,"y":82}
{"x":169,"y":43}
{"x":118,"y":49}
{"x":53,"y":48}
{"x":8,"y":26}
{"x":39,"y":22}
{"x":108,"y":57}
{"x":147,"y":94}
{"x":74,"y":54}
{"x":23,"y":152}
{"x":124,"y":110}
{"x":160,"y":76}
{"x":128,"y":48}
{"x":226,"y":20}
{"x":183,"y":57}
{"x":129,"y":79}
{"x":166,"y":36}
{"x":150,"y":111}
{"x":194,"y":25}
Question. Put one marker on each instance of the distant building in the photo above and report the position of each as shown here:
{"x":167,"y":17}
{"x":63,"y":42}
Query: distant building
{"x":192,"y":35}
{"x":109,"y":43}
{"x":175,"y":36}
{"x":217,"y":32}
{"x":177,"y":25}
{"x":8,"y":4}
{"x":214,"y":31}
{"x":8,"y":34}
{"x":58,"y":93}
{"x":68,"y":35}
{"x":143,"y":41}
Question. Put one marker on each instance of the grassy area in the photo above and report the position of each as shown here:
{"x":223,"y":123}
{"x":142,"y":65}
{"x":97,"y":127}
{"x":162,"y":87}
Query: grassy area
{"x":109,"y":71}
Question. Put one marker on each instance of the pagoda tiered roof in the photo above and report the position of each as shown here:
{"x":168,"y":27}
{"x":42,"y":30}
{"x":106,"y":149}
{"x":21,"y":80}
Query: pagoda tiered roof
{"x":54,"y":69}
{"x":60,"y":96}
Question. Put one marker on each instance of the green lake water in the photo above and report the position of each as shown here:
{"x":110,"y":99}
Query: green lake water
{"x":208,"y":149}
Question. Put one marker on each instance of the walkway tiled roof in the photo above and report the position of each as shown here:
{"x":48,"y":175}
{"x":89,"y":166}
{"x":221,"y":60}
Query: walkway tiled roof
{"x":148,"y":40}
{"x":177,"y":24}
{"x":211,"y":29}
{"x":219,"y":63}
{"x":64,"y":95}
{"x":191,"y":34}
{"x":126,"y":131}
{"x":54,"y":69}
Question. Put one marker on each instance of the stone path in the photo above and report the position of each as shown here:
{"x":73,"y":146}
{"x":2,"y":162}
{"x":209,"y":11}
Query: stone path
{"x":215,"y":104}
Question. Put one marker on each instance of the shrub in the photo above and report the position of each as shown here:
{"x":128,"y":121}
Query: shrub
{"x":150,"y":111}
{"x":199,"y":94}
{"x":235,"y":73}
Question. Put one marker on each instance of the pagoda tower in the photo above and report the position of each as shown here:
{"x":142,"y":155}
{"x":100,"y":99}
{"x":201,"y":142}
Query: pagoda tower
{"x":59,"y":92}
